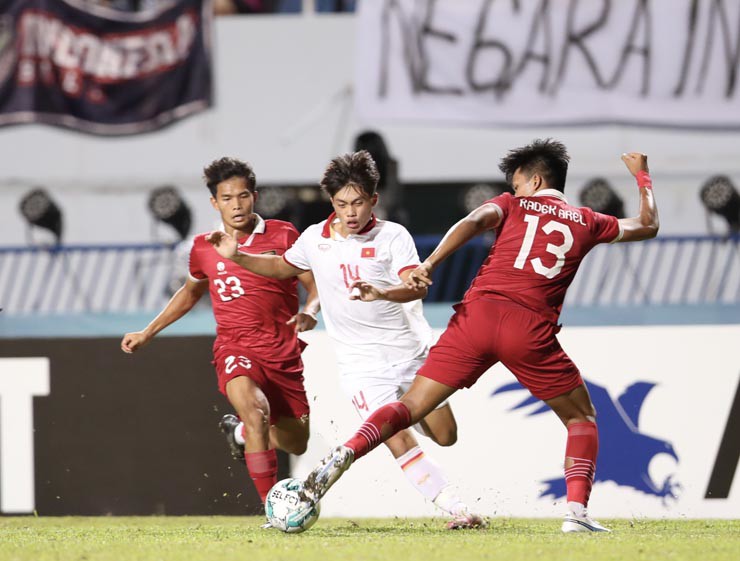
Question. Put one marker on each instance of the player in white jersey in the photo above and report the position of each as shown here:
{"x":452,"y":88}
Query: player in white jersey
{"x":360,"y":265}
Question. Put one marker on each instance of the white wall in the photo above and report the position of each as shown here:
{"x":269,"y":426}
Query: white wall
{"x":503,"y":455}
{"x":282,"y":103}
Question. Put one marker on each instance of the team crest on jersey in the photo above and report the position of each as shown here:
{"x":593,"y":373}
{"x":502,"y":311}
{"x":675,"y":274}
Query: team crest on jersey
{"x":220,"y":266}
{"x":367,"y":252}
{"x":324,"y":247}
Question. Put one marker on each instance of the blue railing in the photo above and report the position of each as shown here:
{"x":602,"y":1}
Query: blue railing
{"x":86,"y":278}
{"x":666,"y":271}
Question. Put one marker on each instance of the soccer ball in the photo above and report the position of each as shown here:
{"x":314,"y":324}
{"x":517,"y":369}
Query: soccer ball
{"x":286,"y":511}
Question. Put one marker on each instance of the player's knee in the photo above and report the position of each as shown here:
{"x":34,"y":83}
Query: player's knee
{"x":256,"y":418}
{"x":446,"y":436}
{"x":296,"y":447}
{"x":417,"y":408}
{"x":449,"y":437}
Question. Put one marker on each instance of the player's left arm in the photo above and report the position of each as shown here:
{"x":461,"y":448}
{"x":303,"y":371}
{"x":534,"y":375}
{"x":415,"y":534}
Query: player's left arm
{"x":305,"y":320}
{"x":645,"y":225}
{"x":273,"y":266}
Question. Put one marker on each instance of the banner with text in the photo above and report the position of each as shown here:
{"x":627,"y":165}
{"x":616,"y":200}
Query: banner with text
{"x":670,"y":63}
{"x":102,"y":71}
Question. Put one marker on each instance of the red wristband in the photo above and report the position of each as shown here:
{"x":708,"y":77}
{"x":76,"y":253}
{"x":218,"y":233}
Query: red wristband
{"x":644,"y":180}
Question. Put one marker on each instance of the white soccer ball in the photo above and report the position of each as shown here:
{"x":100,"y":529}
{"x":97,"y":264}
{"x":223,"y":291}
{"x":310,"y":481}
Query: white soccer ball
{"x":286,"y":511}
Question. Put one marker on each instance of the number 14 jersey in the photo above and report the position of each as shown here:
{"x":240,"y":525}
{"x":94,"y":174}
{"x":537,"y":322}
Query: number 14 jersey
{"x":539,"y":246}
{"x":368,"y":336}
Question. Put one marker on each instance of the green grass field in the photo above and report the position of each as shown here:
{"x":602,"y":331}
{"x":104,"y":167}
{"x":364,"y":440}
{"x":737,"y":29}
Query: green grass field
{"x":233,"y":539}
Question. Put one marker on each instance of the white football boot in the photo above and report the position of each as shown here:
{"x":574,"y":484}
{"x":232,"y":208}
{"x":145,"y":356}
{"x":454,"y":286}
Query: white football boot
{"x":326,"y":473}
{"x":574,"y":523}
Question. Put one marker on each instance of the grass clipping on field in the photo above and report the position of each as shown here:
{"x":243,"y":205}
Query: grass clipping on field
{"x":234,"y":539}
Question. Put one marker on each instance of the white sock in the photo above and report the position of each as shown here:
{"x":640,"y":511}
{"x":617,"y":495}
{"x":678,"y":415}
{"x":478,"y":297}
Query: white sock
{"x":449,"y":501}
{"x":423,"y":473}
{"x":577,"y":508}
{"x":239,"y":434}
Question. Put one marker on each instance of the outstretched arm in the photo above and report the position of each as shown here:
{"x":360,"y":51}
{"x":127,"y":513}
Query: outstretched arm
{"x":485,"y":217}
{"x":645,"y":225}
{"x":273,"y":266}
{"x":305,"y":320}
{"x":180,"y":304}
{"x":362,"y":290}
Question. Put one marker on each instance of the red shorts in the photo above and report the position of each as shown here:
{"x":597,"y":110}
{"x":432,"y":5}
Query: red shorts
{"x":282,"y":383}
{"x":486,"y":331}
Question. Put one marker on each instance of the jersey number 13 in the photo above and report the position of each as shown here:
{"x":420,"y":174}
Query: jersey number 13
{"x":558,"y":251}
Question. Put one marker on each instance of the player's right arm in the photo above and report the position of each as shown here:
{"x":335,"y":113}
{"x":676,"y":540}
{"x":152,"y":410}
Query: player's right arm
{"x":180,"y":304}
{"x":645,"y":225}
{"x":273,"y":266}
{"x":485,"y":217}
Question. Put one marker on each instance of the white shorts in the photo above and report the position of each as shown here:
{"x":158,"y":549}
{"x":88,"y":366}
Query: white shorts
{"x":369,"y":391}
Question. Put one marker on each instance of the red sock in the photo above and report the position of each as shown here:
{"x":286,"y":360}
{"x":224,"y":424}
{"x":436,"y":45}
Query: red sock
{"x":379,"y":427}
{"x":582,"y":448}
{"x":262,"y":467}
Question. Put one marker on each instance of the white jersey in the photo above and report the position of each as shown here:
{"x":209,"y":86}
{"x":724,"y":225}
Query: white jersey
{"x":369,"y":336}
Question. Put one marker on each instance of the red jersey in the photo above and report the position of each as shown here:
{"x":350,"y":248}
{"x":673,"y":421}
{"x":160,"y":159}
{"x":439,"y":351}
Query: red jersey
{"x":539,"y":246}
{"x":250,"y":305}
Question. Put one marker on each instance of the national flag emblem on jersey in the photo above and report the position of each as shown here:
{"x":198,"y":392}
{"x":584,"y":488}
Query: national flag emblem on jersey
{"x":368,"y":252}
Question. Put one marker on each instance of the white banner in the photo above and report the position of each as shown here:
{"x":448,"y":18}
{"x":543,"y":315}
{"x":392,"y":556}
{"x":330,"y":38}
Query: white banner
{"x":671,"y":63}
{"x":663,"y":397}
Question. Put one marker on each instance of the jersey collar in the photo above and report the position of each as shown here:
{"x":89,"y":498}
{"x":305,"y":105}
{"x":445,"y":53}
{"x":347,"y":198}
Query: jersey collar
{"x":259,"y":228}
{"x":327,"y":230}
{"x":551,"y":193}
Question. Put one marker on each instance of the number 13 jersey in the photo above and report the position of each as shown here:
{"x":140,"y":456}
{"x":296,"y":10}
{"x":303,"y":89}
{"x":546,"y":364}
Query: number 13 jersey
{"x":539,"y":246}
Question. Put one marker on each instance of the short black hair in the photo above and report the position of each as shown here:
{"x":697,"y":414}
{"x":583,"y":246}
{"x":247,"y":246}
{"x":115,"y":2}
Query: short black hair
{"x":548,"y":158}
{"x":226,"y":168}
{"x":355,"y":168}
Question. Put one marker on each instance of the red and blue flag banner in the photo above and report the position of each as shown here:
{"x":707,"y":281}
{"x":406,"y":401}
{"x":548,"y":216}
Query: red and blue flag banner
{"x":70,"y":64}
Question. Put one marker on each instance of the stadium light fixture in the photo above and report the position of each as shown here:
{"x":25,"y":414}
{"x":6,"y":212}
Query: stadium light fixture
{"x":38,"y":208}
{"x":475,"y":195}
{"x":168,"y":206}
{"x":272,"y":201}
{"x":599,"y":195}
{"x":719,"y":195}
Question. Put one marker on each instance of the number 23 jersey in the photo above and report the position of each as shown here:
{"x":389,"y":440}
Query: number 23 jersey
{"x":248,"y":306}
{"x":539,"y":246}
